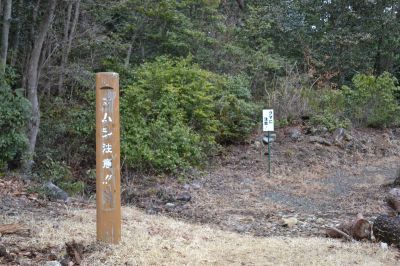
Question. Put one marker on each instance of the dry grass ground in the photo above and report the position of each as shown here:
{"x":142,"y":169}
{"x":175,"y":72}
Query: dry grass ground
{"x":158,"y":240}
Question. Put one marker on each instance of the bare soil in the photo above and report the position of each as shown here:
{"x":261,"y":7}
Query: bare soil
{"x":318,"y":184}
{"x":317,"y":181}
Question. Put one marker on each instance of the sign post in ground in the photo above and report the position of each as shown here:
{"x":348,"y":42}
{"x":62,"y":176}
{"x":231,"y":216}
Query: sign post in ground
{"x":268,"y":126}
{"x":108,"y":198}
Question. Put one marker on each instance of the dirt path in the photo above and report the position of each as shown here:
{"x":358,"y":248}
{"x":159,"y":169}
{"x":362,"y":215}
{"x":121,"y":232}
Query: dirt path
{"x":317,"y":184}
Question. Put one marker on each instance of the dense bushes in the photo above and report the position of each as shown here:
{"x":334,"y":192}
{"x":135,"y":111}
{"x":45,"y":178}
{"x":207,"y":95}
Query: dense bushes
{"x":370,"y":101}
{"x":175,"y":113}
{"x":328,"y":109}
{"x":66,"y":141}
{"x":14,"y":113}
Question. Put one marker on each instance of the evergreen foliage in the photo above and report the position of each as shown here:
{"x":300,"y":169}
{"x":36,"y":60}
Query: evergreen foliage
{"x":372,"y":100}
{"x":369,"y":101}
{"x":175,"y":114}
{"x":14,"y":113}
{"x":327,"y":60}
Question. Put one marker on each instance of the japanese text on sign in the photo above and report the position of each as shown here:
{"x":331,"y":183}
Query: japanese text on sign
{"x":108,"y":182}
{"x":268,"y":120}
{"x":108,"y":178}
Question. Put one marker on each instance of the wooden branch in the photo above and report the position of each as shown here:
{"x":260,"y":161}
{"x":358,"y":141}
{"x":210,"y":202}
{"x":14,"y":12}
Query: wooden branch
{"x":340,"y":232}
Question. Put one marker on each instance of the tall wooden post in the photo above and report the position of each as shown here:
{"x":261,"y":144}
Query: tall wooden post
{"x":108,"y":197}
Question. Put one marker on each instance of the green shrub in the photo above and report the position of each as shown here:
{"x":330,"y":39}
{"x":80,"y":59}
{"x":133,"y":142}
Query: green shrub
{"x":328,"y":109}
{"x":60,"y":174}
{"x":236,"y":114}
{"x":67,"y":131}
{"x":372,"y":100}
{"x":66,"y":143}
{"x":14,"y":114}
{"x":175,"y":113}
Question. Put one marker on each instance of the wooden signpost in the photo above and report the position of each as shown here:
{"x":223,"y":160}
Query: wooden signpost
{"x":108,"y":197}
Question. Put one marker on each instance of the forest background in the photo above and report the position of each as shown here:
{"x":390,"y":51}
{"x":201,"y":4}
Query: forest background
{"x":194,"y":77}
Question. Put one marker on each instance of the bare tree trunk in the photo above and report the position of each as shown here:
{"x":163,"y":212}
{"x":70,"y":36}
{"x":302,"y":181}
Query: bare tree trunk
{"x":4,"y":36}
{"x":34,"y":19}
{"x":128,"y":56}
{"x":32,"y":80}
{"x":73,"y":28}
{"x":67,"y":24}
{"x":69,"y":32}
{"x":17,"y":40}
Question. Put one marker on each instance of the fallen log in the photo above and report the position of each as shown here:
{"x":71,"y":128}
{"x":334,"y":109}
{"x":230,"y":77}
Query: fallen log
{"x":387,"y":229}
{"x":357,"y":229}
{"x":336,"y":233}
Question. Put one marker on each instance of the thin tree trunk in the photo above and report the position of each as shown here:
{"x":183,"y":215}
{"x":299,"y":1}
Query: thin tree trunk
{"x":67,"y":24}
{"x":32,"y":80}
{"x":128,"y":56}
{"x":378,"y":56}
{"x":69,"y":31}
{"x":34,"y":19}
{"x":4,"y":36}
{"x":73,"y":28}
{"x":17,"y":40}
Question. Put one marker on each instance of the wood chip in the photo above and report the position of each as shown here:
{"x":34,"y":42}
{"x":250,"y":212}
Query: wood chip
{"x":12,"y":228}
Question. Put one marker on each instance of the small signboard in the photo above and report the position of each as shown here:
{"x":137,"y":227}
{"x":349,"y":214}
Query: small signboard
{"x":268,"y":120}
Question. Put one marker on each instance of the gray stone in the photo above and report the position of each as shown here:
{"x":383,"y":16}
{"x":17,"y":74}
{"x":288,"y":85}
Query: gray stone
{"x":323,"y":130}
{"x":341,"y":134}
{"x":347,"y":136}
{"x":320,"y":221}
{"x":267,"y":139}
{"x":3,"y":251}
{"x":294,"y":133}
{"x":24,"y":262}
{"x":170,"y":205}
{"x":184,"y":197}
{"x":247,"y":181}
{"x":289,"y":222}
{"x":257,"y":144}
{"x":320,"y":140}
{"x":338,"y":135}
{"x":196,"y":185}
{"x":52,"y":263}
{"x":395,"y":133}
{"x":395,"y":192}
{"x":242,"y":228}
{"x":55,"y":192}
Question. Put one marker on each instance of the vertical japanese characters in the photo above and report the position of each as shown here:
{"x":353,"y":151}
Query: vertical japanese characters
{"x":108,"y":177}
{"x":108,"y":181}
{"x":268,"y":120}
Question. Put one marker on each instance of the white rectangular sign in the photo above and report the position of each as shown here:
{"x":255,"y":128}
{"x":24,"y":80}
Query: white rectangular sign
{"x":268,"y":120}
